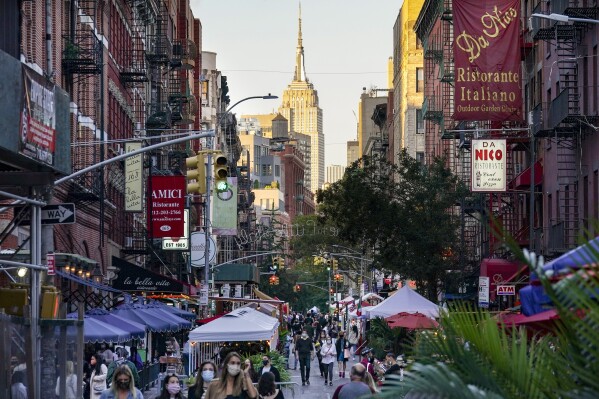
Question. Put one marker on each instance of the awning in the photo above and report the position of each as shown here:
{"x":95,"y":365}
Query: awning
{"x":522,"y":181}
{"x":89,"y":283}
{"x":262,"y":295}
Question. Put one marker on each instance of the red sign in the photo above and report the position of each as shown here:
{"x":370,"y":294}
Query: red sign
{"x":51,"y":264}
{"x":506,"y":290}
{"x":167,"y":203}
{"x":488,"y":84}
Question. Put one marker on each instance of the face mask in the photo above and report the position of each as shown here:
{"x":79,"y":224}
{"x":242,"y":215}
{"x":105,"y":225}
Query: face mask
{"x":329,"y":341}
{"x":304,"y":335}
{"x":207,"y":375}
{"x":371,"y":360}
{"x":173,"y":388}
{"x":233,"y":369}
{"x":265,"y":362}
{"x":122,"y":385}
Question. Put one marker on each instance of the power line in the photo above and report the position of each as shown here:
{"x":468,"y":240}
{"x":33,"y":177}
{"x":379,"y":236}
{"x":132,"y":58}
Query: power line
{"x":311,"y":73}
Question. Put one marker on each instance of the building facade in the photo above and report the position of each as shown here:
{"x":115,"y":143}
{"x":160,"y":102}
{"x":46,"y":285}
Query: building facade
{"x":300,"y":107}
{"x":353,"y":152}
{"x":334,"y":173}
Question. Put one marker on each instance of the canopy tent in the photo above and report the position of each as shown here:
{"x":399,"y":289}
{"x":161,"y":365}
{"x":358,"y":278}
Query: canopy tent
{"x":95,"y":331}
{"x":404,"y":300}
{"x":371,"y":295}
{"x":242,"y":324}
{"x":135,"y":329}
{"x":152,"y":322}
{"x":347,"y":300}
{"x":583,"y":255}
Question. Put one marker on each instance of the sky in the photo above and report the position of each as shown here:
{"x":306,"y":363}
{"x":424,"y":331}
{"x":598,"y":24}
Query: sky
{"x":347,"y":44}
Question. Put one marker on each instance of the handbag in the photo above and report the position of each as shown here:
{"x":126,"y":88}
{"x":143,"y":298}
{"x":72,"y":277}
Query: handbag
{"x":346,"y":353}
{"x":98,"y":388}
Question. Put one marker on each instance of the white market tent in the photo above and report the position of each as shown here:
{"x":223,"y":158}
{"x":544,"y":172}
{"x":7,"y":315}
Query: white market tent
{"x":404,"y":300}
{"x":242,"y":324}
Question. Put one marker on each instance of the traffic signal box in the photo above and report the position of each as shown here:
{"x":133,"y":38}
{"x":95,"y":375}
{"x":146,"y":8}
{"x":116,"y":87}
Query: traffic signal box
{"x":196,"y":173}
{"x":221,"y":172}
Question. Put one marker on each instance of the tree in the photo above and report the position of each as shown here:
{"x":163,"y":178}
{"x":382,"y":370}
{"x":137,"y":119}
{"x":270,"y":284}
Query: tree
{"x":403,"y":211}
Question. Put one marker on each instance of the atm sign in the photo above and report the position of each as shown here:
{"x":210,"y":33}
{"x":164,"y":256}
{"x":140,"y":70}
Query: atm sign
{"x":506,"y":290}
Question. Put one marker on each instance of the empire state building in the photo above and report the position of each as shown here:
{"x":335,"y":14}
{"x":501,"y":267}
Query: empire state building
{"x":300,"y":107}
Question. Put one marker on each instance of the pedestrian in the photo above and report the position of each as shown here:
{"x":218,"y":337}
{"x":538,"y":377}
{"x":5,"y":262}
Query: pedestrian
{"x":71,"y":382}
{"x":171,"y":388}
{"x":122,"y":360}
{"x":268,"y":367}
{"x":369,"y":380}
{"x":267,"y":389}
{"x":97,"y":379}
{"x":318,"y":345}
{"x":328,"y":353}
{"x":18,"y":390}
{"x":204,"y":378}
{"x":234,"y":382}
{"x":356,"y":387}
{"x":135,"y":358}
{"x":248,"y":367}
{"x":353,"y":336}
{"x":342,"y":347}
{"x":304,"y":350}
{"x":122,"y":385}
{"x":391,"y":364}
{"x":368,"y":361}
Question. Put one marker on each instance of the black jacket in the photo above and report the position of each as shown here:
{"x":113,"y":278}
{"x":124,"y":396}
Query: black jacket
{"x":304,"y":346}
{"x":273,"y":370}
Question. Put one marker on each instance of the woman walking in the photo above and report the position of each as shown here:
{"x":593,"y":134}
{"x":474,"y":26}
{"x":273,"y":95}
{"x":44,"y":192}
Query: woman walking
{"x":234,"y":382}
{"x":342,"y":347}
{"x":205,"y":376}
{"x":97,"y":379}
{"x":171,"y":388}
{"x":122,"y":386}
{"x":328,"y":353}
{"x":71,"y":382}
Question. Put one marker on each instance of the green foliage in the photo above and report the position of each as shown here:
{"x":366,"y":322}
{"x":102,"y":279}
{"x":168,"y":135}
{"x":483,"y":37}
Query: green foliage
{"x":401,"y":211}
{"x":276,"y":360}
{"x":475,"y":357}
{"x":383,"y":338}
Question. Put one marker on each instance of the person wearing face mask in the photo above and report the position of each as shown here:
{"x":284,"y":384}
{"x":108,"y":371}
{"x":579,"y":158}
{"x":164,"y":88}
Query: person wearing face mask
{"x":234,"y":383}
{"x":268,"y":367}
{"x":368,"y":361}
{"x":123,"y":386}
{"x":248,"y":367}
{"x":171,"y":388}
{"x":342,"y":347}
{"x":304,"y":351}
{"x":328,"y":353}
{"x":207,"y":373}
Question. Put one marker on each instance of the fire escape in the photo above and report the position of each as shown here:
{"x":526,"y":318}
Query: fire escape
{"x":562,"y":122}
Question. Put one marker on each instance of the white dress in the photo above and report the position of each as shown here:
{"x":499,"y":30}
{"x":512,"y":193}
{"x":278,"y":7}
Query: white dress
{"x":97,"y":383}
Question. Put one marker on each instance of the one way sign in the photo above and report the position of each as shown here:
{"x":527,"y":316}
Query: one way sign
{"x":51,"y":214}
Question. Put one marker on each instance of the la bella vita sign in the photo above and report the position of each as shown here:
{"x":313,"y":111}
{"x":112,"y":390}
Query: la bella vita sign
{"x":488,"y":166}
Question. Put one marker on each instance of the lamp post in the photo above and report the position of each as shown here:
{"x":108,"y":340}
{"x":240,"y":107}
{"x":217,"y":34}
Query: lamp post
{"x":207,"y":215}
{"x":564,"y":18}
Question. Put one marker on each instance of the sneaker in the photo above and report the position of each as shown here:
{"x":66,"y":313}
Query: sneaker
{"x":307,"y":382}
{"x":303,"y":383}
{"x":326,"y":383}
{"x":331,"y":383}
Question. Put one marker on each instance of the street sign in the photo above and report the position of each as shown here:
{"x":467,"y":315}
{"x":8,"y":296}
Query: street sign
{"x":506,"y":290}
{"x":204,"y":296}
{"x":51,"y":214}
{"x":51,"y":264}
{"x":483,"y":292}
{"x":198,"y":243}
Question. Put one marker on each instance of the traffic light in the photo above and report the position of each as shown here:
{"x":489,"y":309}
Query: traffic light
{"x":328,"y":262}
{"x":338,"y":277}
{"x":273,"y":280}
{"x":332,"y":291}
{"x":196,"y":170}
{"x":221,"y":172}
{"x":280,"y":263}
{"x":335,"y":263}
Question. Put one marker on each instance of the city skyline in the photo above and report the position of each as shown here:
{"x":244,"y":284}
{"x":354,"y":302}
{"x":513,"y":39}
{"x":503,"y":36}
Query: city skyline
{"x":256,"y":51}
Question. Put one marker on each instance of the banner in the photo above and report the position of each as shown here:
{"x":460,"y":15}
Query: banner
{"x":488,"y":166}
{"x":133,"y":179}
{"x":224,"y":210}
{"x":488,"y":83}
{"x":167,"y":203}
{"x":38,"y":118}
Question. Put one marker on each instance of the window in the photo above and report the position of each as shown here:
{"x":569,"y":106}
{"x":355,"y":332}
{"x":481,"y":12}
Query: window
{"x":419,"y":122}
{"x":419,"y":80}
{"x":277,"y":170}
{"x":267,"y":170}
{"x":420,"y":157}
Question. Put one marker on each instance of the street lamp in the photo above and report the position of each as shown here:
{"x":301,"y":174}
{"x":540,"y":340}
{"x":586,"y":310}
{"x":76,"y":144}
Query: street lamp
{"x":564,"y":18}
{"x":207,"y":215}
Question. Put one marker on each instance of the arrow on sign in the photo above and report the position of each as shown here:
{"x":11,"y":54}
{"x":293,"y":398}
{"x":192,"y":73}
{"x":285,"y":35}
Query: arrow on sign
{"x":61,"y":214}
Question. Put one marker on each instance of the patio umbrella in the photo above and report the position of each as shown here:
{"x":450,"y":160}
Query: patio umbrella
{"x":95,"y":331}
{"x":176,"y":311}
{"x":153,"y":322}
{"x":156,"y":310}
{"x":411,"y":320}
{"x":136,"y":330}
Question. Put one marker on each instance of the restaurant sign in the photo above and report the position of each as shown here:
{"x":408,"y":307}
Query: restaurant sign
{"x":167,"y":203}
{"x":130,"y":277}
{"x":488,"y":166}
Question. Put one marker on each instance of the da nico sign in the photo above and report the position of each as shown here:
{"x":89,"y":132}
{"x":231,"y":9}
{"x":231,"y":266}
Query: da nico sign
{"x":488,"y":166}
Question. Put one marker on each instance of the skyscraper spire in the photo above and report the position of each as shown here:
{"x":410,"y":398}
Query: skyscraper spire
{"x":300,"y":74}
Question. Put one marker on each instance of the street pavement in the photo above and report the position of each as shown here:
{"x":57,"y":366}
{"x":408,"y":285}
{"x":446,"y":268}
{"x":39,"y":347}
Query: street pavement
{"x":316,"y":389}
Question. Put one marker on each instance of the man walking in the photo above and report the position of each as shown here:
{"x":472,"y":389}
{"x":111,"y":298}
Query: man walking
{"x":304,"y":351}
{"x":356,"y":388}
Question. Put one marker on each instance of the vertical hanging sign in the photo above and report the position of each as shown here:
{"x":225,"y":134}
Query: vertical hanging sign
{"x":488,"y":166}
{"x":488,"y":83}
{"x":167,"y":203}
{"x":133,"y":179}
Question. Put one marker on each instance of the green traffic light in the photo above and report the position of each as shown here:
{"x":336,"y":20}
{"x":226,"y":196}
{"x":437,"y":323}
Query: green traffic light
{"x":222,"y":186}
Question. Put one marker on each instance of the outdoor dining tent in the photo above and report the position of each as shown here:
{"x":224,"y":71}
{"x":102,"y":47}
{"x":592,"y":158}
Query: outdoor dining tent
{"x":404,"y":300}
{"x":242,"y":324}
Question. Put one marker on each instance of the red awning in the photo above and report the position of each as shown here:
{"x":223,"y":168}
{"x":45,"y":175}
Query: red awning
{"x":209,"y":319}
{"x":522,"y":181}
